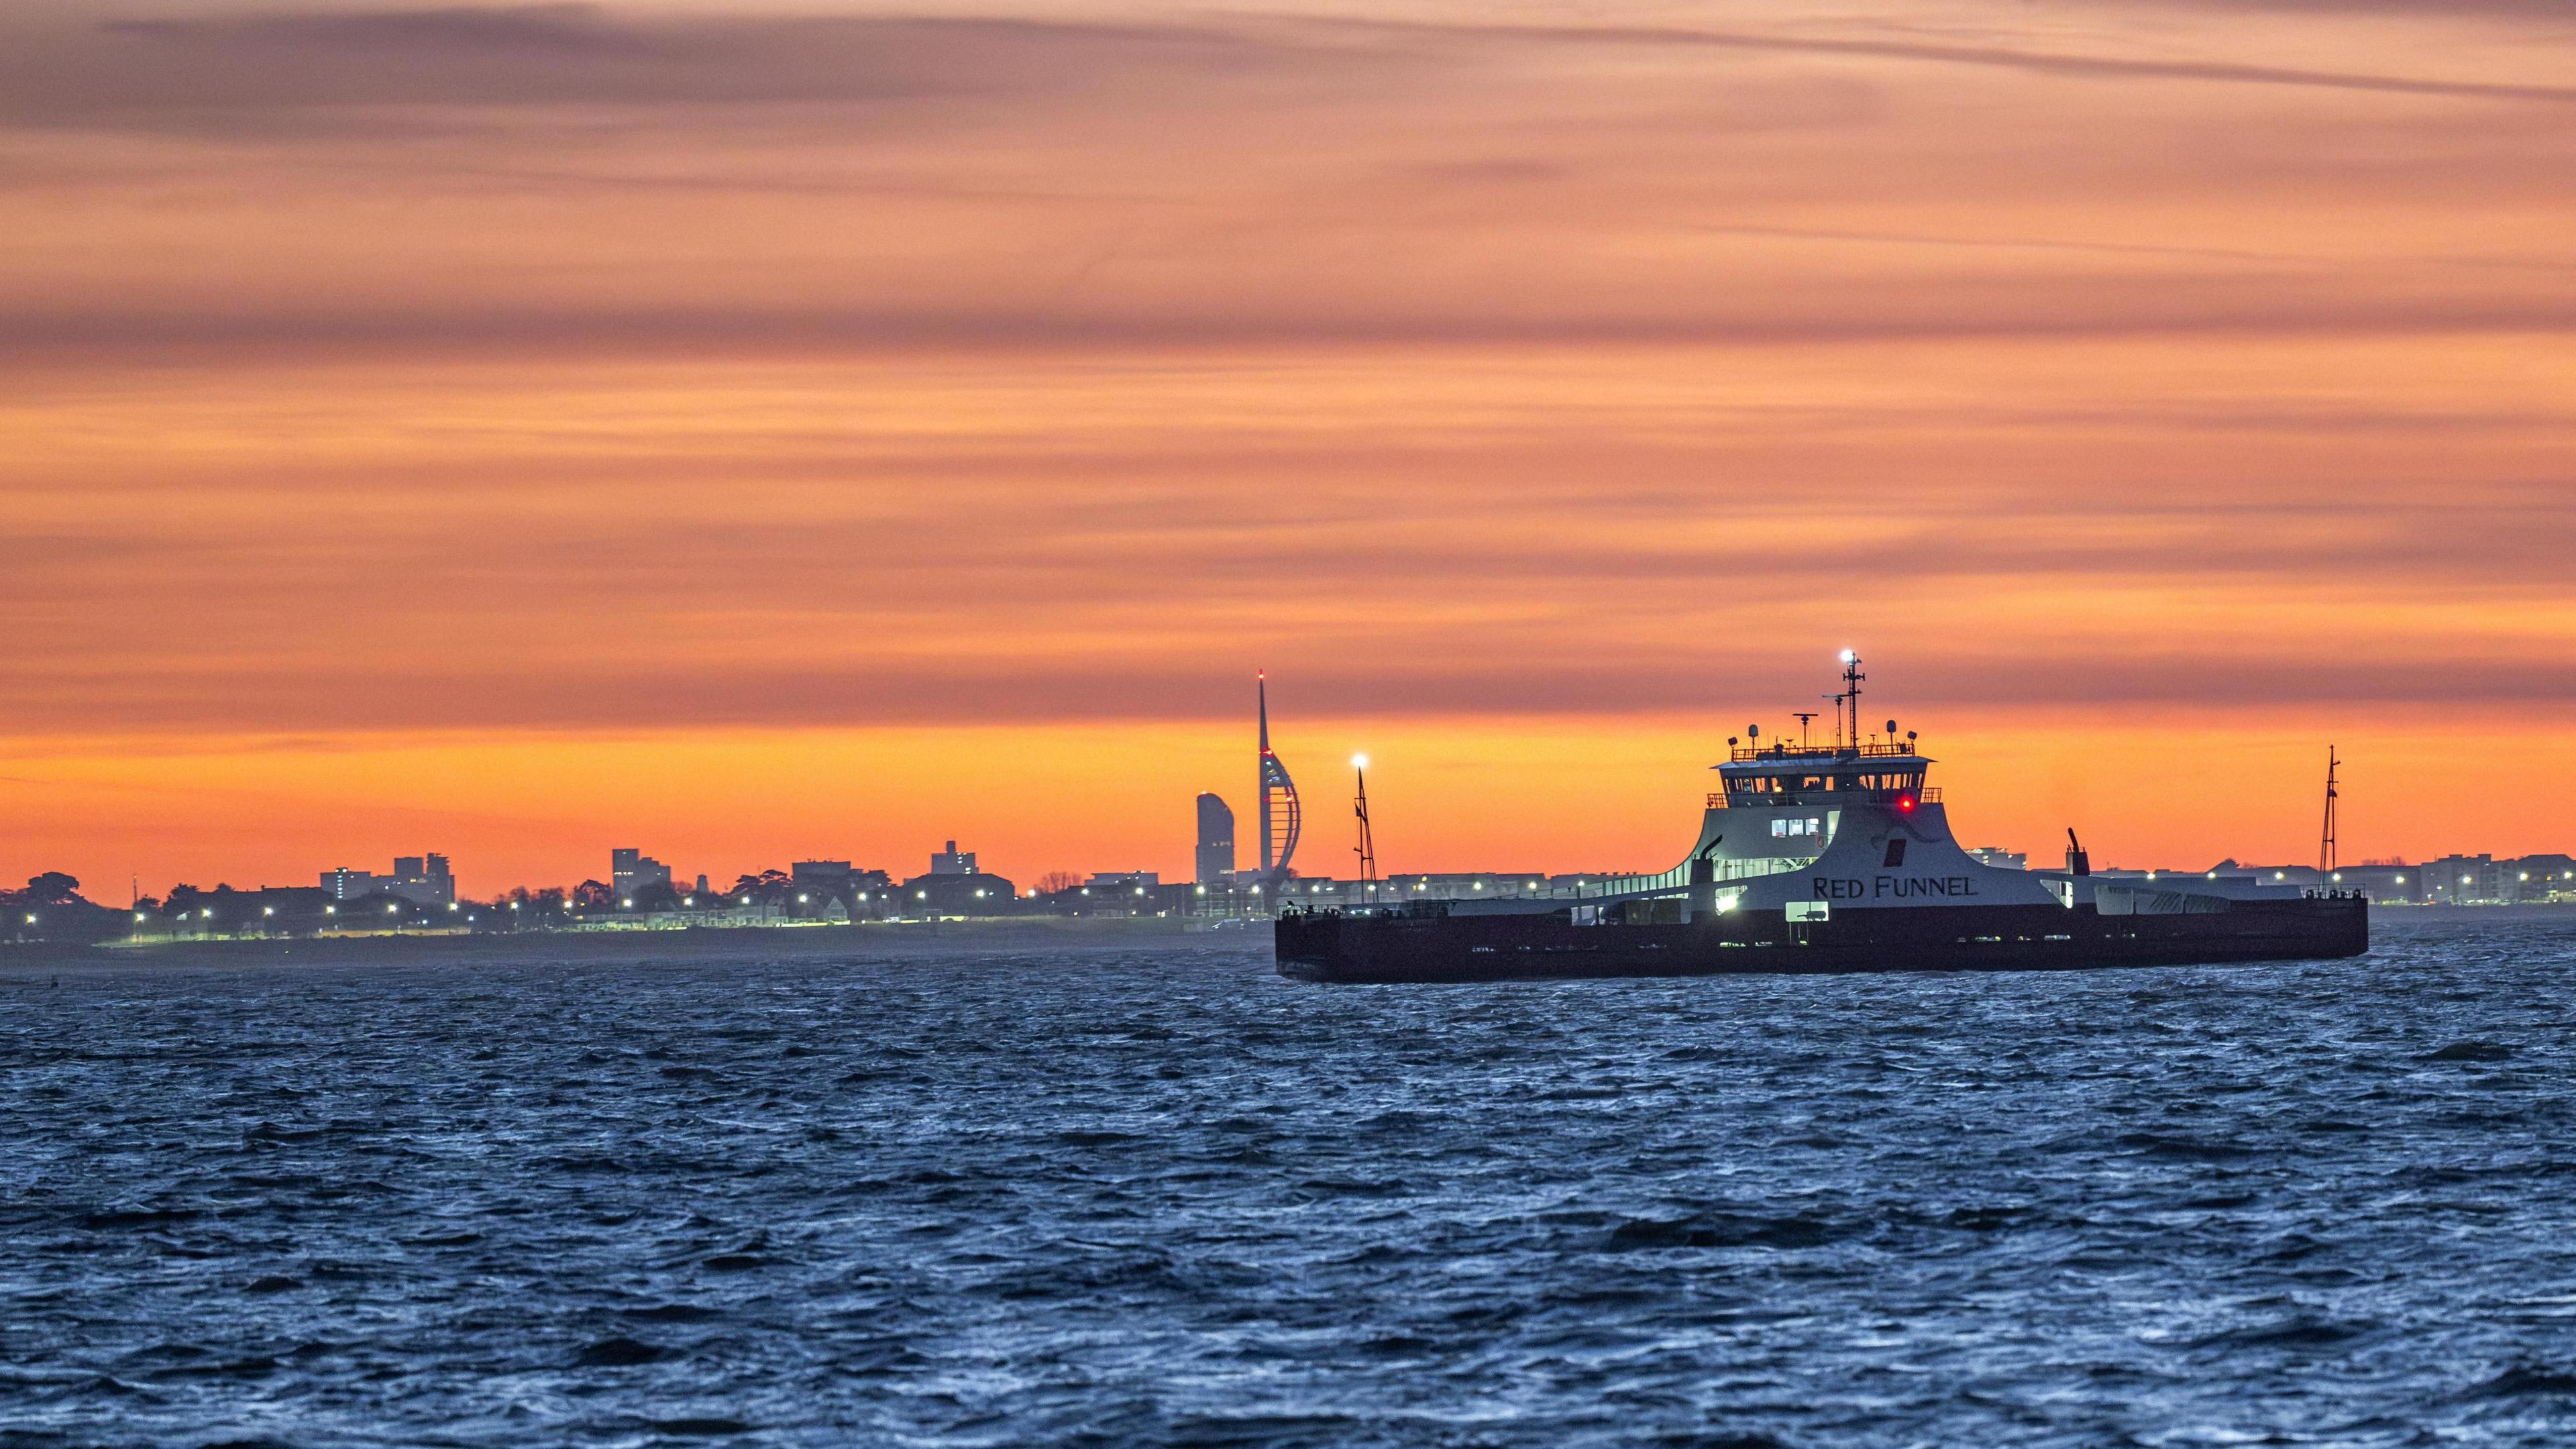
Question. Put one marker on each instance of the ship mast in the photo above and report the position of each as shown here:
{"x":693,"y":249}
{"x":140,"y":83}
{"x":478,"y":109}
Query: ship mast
{"x":1848,"y":702}
{"x":1366,"y":850}
{"x":2326,"y":861}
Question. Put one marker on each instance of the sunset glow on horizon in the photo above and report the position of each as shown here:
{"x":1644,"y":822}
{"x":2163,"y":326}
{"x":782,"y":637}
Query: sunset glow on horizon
{"x":755,"y":433}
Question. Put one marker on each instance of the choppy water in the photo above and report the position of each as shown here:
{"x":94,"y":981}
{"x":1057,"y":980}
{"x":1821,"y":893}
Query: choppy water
{"x":1162,"y":1197}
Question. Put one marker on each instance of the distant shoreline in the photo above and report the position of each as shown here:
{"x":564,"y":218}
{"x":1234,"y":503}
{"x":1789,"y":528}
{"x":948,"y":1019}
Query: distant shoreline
{"x":869,"y":940}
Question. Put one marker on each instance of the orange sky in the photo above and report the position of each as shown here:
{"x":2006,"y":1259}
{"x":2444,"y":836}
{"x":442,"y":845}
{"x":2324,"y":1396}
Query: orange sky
{"x":752,"y":432}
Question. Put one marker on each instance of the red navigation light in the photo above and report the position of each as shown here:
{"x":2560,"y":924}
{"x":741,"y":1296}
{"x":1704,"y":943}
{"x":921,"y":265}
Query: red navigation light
{"x":1904,"y":804}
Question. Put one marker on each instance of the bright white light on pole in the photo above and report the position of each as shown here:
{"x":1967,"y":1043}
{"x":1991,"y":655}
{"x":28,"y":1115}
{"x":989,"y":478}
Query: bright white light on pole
{"x":1359,"y":762}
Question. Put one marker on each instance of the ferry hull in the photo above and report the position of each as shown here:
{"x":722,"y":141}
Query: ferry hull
{"x":1433,"y":948}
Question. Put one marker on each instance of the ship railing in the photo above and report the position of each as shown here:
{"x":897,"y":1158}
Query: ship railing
{"x":1744,"y":754}
{"x":1928,"y":795}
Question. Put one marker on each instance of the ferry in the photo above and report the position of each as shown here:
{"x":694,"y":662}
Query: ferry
{"x":1831,"y":857}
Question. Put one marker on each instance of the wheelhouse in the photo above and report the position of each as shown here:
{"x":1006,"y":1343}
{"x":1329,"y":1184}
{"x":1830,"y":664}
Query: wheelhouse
{"x":1787,"y":775}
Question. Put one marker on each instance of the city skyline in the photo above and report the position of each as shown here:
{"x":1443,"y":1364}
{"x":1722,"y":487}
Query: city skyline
{"x":426,"y":878}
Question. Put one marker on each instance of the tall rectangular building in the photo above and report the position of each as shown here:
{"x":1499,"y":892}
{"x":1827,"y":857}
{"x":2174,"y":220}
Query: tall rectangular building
{"x":1216,"y":840}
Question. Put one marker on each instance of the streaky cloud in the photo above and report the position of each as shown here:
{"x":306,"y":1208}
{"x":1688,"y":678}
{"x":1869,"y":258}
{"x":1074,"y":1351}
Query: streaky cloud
{"x":2040,"y":62}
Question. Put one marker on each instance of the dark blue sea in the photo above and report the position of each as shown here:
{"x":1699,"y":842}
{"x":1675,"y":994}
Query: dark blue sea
{"x":1154,"y":1195}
